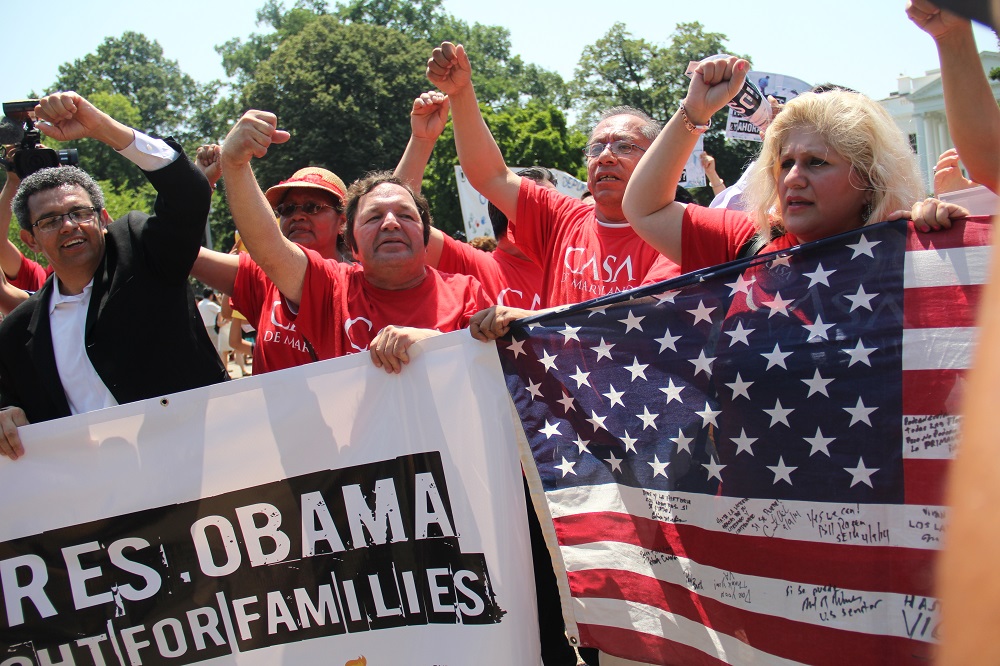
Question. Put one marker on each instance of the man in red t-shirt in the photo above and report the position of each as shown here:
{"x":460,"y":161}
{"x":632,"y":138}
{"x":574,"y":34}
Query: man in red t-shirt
{"x":388,"y":301}
{"x":584,"y":251}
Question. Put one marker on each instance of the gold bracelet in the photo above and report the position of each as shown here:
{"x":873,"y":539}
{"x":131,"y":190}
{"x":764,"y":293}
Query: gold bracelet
{"x":690,"y":126}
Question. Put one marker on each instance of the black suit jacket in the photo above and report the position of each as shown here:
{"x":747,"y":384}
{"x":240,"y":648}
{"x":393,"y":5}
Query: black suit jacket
{"x":143,"y":332}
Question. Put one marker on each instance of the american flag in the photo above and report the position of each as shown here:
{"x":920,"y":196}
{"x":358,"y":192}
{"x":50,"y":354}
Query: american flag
{"x":745,"y":464}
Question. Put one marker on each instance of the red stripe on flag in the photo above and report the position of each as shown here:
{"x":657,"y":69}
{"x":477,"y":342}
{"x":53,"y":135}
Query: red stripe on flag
{"x":925,"y":481}
{"x":941,"y":307}
{"x":885,"y":568}
{"x":973,"y":231}
{"x":780,"y":636}
{"x":643,"y":647}
{"x":931,"y":392}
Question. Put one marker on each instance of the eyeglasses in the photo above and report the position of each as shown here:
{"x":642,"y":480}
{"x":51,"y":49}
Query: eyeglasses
{"x":619,"y":147}
{"x":79,"y":216}
{"x":309,"y":208}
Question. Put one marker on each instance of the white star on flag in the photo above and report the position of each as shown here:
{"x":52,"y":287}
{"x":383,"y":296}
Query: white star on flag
{"x":819,"y":276}
{"x":629,"y":443}
{"x":603,"y":350}
{"x":776,"y":357}
{"x":570,"y":333}
{"x":740,"y":334}
{"x":819,"y":443}
{"x":779,"y":414}
{"x":781,"y":471}
{"x":739,"y":387}
{"x":673,"y":392}
{"x":861,"y":474}
{"x":817,"y":384}
{"x":859,"y":354}
{"x":637,"y":369}
{"x":550,"y":429}
{"x":778,"y":306}
{"x":616,"y":463}
{"x":702,"y":363}
{"x":667,"y":297}
{"x":744,"y":443}
{"x":658,"y":467}
{"x":580,"y":377}
{"x":708,"y":415}
{"x":742,"y":285}
{"x":566,"y":467}
{"x":863,"y":246}
{"x":597,"y":421}
{"x":567,"y":403}
{"x":714,"y":469}
{"x":818,"y":329}
{"x":581,"y":444}
{"x":517,"y":347}
{"x":667,"y":341}
{"x":648,"y":420}
{"x":548,"y":360}
{"x":683,"y":442}
{"x":861,"y":299}
{"x":535,"y":390}
{"x":702,"y":313}
{"x":859,"y":413}
{"x":632,"y":322}
{"x":614,"y":396}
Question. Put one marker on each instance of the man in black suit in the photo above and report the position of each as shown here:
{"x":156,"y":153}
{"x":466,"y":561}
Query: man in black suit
{"x":119,"y":289}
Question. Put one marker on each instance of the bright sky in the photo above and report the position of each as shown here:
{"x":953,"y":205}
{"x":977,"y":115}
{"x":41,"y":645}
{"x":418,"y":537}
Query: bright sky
{"x":864,"y":44}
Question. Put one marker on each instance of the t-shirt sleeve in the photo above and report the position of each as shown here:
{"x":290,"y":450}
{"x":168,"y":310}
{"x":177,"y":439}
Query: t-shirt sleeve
{"x":249,"y":290}
{"x":477,"y":299}
{"x":30,"y":275}
{"x":539,"y":213}
{"x":712,"y":236}
{"x":322,"y":298}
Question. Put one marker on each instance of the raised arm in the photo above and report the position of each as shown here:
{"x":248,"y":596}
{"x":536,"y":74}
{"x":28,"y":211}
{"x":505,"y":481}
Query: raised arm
{"x":10,"y":256}
{"x":449,"y":69}
{"x":973,"y":115}
{"x":66,"y":116}
{"x":428,"y":117}
{"x":282,"y":261}
{"x":649,"y":202}
{"x":216,"y":269}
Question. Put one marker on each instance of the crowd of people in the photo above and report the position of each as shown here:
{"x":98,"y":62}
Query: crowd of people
{"x":322,"y":269}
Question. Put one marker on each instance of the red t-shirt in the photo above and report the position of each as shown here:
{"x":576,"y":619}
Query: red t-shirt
{"x":581,"y":258}
{"x":342,"y":311}
{"x":279,"y":345}
{"x":508,"y":280}
{"x":713,"y":236}
{"x":30,"y":275}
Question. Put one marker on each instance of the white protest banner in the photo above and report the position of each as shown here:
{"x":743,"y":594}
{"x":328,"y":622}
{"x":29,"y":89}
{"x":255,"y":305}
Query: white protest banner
{"x":474,"y":211}
{"x":694,"y":173}
{"x":327,"y":514}
{"x":782,"y":88}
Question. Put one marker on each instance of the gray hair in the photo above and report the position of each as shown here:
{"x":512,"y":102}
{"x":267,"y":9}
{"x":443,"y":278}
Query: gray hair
{"x":650,"y":128}
{"x":52,"y":179}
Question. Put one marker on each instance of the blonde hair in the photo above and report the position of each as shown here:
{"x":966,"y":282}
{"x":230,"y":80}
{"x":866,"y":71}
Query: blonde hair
{"x":860,"y":131}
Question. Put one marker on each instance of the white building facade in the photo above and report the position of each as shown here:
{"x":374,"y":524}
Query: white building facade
{"x":918,"y":109}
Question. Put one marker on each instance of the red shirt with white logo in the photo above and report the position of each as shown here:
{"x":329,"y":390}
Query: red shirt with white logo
{"x":342,"y":311}
{"x":279,"y":344}
{"x":581,"y":258}
{"x":508,"y":280}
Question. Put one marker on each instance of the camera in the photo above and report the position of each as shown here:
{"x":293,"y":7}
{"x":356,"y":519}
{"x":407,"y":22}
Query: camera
{"x":30,"y":156}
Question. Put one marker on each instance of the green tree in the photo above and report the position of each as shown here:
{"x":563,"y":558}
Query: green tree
{"x":502,"y":78}
{"x":619,"y":69}
{"x":344,"y":92}
{"x":535,"y":134}
{"x":133,"y":66}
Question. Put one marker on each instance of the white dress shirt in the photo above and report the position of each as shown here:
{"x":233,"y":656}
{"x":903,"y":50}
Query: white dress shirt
{"x":84,"y":388}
